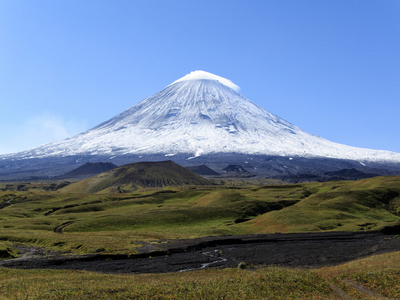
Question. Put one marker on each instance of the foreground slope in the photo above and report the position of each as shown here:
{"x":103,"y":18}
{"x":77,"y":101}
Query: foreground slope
{"x":378,"y":273}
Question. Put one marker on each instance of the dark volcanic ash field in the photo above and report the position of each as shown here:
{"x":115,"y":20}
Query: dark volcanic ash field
{"x":305,"y":250}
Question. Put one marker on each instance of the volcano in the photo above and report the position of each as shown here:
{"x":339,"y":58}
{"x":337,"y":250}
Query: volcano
{"x":202,"y":118}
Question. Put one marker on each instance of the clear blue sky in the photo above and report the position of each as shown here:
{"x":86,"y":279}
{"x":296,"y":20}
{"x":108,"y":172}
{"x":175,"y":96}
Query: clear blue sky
{"x":330,"y":67}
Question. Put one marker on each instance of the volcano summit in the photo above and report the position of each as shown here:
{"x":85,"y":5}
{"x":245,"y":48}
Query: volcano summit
{"x":201,"y":118}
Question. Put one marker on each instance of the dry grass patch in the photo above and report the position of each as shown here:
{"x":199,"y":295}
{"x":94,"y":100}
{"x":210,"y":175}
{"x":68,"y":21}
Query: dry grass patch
{"x":380,"y":273}
{"x":270,"y":283}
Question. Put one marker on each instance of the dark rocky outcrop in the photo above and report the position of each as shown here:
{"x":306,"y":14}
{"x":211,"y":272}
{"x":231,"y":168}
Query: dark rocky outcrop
{"x":236,"y":171}
{"x":349,"y":174}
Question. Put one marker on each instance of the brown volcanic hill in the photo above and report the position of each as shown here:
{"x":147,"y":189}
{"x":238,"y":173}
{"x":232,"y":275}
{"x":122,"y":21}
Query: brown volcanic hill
{"x":202,"y":170}
{"x":141,"y":174}
{"x":90,"y":169}
{"x":349,"y":174}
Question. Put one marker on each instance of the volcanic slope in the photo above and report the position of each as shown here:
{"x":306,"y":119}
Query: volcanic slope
{"x":142,"y":174}
{"x":202,"y":170}
{"x":201,"y":114}
{"x":90,"y":169}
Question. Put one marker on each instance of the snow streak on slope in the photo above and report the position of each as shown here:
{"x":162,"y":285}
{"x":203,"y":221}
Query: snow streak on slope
{"x":200,"y":114}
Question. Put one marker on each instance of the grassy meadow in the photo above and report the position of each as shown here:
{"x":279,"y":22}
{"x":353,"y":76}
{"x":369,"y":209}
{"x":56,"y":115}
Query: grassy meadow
{"x":380,"y":274}
{"x":54,"y":217}
{"x":59,"y":219}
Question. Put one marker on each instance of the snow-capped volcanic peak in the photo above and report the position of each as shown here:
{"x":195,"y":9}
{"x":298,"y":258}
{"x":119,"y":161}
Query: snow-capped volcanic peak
{"x":201,"y":114}
{"x":198,"y":75}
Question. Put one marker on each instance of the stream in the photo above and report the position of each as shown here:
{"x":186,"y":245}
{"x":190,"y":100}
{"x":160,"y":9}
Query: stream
{"x":214,"y":254}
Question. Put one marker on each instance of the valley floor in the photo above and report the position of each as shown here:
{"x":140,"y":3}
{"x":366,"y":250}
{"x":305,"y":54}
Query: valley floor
{"x":303,"y":250}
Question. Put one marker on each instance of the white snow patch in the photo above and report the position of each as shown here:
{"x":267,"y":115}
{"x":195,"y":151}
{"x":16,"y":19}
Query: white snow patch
{"x":197,"y":153}
{"x":170,"y":154}
{"x":198,"y":75}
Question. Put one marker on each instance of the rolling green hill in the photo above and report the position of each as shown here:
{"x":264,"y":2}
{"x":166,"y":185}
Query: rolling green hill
{"x":368,"y":204}
{"x":86,"y":216}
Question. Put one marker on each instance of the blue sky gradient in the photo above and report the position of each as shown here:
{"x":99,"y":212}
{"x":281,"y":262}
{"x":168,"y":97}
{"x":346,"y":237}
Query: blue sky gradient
{"x":330,"y":67}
